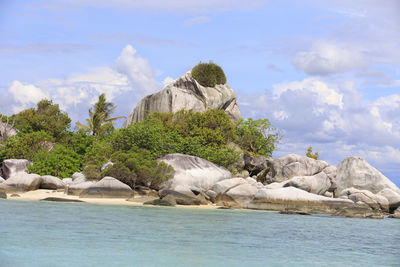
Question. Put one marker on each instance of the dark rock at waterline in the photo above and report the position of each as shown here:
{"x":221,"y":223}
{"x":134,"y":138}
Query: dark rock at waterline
{"x":294,"y":212}
{"x":15,"y":195}
{"x":59,"y":199}
{"x":3,"y":194}
{"x":359,"y":212}
{"x":179,"y":198}
{"x":395,"y":215}
{"x":160,"y":202}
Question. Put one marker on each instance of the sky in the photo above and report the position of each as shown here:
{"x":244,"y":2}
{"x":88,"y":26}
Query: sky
{"x":326,"y":73}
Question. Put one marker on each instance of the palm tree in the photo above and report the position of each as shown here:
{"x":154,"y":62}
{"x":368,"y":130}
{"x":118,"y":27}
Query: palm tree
{"x":99,"y":119}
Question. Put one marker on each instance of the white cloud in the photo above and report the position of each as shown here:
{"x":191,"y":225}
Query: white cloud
{"x":197,"y":20}
{"x":325,"y":58}
{"x":128,"y":80}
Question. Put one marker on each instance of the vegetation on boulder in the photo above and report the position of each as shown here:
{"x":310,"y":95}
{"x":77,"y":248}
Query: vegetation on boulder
{"x":310,"y":153}
{"x":208,"y":74}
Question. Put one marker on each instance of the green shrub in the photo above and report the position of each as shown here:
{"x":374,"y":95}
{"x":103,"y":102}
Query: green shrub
{"x":208,"y":74}
{"x":60,"y":162}
{"x":96,"y":155}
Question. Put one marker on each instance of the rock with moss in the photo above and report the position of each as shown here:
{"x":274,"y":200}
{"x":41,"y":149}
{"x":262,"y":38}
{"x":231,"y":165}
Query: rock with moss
{"x":186,"y":93}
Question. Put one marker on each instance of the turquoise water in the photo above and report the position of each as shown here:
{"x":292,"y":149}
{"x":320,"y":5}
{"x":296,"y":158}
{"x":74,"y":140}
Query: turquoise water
{"x":77,"y":234}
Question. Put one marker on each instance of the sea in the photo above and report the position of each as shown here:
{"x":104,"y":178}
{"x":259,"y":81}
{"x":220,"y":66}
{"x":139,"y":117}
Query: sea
{"x":38,"y":233}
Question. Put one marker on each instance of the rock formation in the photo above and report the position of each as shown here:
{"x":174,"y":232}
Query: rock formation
{"x":186,"y":93}
{"x":108,"y":187}
{"x":11,"y":167}
{"x":51,"y":182}
{"x":21,"y":182}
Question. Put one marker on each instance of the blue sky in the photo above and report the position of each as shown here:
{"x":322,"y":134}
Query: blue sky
{"x":327,"y":73}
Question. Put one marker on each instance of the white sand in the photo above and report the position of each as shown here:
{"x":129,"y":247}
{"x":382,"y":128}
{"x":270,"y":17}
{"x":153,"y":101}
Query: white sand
{"x":42,"y":193}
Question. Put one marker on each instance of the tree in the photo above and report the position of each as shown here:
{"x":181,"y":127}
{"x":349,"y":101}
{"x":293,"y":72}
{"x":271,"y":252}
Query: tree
{"x":257,"y":136}
{"x":46,"y":117}
{"x":100,"y":117}
{"x":310,"y":154}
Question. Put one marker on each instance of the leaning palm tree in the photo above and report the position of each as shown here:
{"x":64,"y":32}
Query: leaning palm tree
{"x":99,"y":119}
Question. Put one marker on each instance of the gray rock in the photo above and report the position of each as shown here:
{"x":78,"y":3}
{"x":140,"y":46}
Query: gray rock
{"x":186,"y":93}
{"x":161,"y":202}
{"x":255,"y":164}
{"x":60,"y":199}
{"x":196,"y":173}
{"x":224,"y":185}
{"x":145,"y":191}
{"x":67,"y":181}
{"x":392,"y":197}
{"x":6,"y":131}
{"x":1,"y":179}
{"x":179,"y":198}
{"x":316,"y":184}
{"x":239,"y":196}
{"x":108,"y":187}
{"x":395,"y":215}
{"x":3,"y":194}
{"x":359,"y":212}
{"x":356,"y":172}
{"x":78,"y":177}
{"x":292,"y":165}
{"x":376,"y":202}
{"x":294,"y":198}
{"x":106,"y":165}
{"x":51,"y":182}
{"x":11,"y":167}
{"x":21,"y":182}
{"x":77,"y":188}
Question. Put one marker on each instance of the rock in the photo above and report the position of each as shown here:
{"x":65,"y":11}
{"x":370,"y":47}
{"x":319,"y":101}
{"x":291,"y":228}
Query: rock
{"x":78,"y":177}
{"x":392,"y":197}
{"x":106,"y":165}
{"x":184,"y":189}
{"x":251,"y":181}
{"x":187,"y":94}
{"x":59,"y":199}
{"x":108,"y":187}
{"x":356,"y":172}
{"x":161,"y":202}
{"x":292,"y":165}
{"x":328,"y":194}
{"x":3,"y":194}
{"x":238,"y":196}
{"x":142,"y":198}
{"x":6,"y":131}
{"x":376,"y":202}
{"x":179,"y":198}
{"x":294,"y":212}
{"x":15,"y":195}
{"x":196,"y":173}
{"x":224,"y":185}
{"x":77,"y":188}
{"x":1,"y":179}
{"x":67,"y":181}
{"x":145,"y":191}
{"x":358,"y":212}
{"x":275,"y":185}
{"x":294,"y":198}
{"x":255,"y":164}
{"x":11,"y":167}
{"x":316,"y":184}
{"x":211,"y":194}
{"x":51,"y":182}
{"x":395,"y":215}
{"x":21,"y":182}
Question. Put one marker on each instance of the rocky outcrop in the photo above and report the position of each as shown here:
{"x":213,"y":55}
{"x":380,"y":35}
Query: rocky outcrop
{"x":77,"y":188}
{"x":6,"y":131}
{"x":187,"y":94}
{"x":255,"y":164}
{"x":78,"y":177}
{"x":108,"y":187}
{"x":1,"y":179}
{"x":316,"y":184}
{"x":294,"y":198}
{"x":356,"y":172}
{"x":289,"y":166}
{"x":197,"y":174}
{"x":21,"y":182}
{"x":51,"y":182}
{"x":179,"y":198}
{"x":375,"y":202}
{"x":11,"y":167}
{"x":3,"y":194}
{"x":392,"y":197}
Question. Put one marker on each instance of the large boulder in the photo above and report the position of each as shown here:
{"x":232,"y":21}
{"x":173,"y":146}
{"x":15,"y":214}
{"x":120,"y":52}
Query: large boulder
{"x":6,"y":131}
{"x":3,"y":194}
{"x":11,"y":167}
{"x":392,"y":197}
{"x":224,"y":185}
{"x":255,"y":164}
{"x":238,"y":196}
{"x":291,"y":165}
{"x":77,"y":188}
{"x":356,"y":172}
{"x":108,"y":187}
{"x":1,"y":179}
{"x":187,"y":94}
{"x":78,"y":177}
{"x":21,"y":182}
{"x":196,"y":173}
{"x":294,"y":198}
{"x":51,"y":182}
{"x":179,"y":198}
{"x":376,"y":202}
{"x":316,"y":184}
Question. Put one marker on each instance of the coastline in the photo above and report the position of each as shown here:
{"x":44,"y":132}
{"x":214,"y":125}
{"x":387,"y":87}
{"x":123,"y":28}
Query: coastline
{"x":40,"y":194}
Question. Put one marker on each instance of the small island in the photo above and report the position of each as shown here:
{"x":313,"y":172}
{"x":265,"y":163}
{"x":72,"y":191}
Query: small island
{"x":185,"y":145}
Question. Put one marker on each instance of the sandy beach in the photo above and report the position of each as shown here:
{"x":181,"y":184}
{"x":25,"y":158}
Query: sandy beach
{"x":40,"y":194}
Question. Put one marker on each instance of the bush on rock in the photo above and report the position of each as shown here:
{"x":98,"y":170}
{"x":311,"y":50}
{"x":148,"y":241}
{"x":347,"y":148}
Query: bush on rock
{"x":208,"y":74}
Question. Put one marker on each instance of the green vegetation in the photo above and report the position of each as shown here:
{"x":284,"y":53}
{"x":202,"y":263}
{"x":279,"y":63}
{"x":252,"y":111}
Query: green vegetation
{"x":208,"y":74}
{"x":44,"y":139}
{"x":310,"y":153}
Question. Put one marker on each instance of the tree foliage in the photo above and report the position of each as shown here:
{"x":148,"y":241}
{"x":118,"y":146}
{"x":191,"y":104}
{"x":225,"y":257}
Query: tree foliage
{"x":310,"y":154}
{"x":257,"y":136}
{"x":208,"y":74}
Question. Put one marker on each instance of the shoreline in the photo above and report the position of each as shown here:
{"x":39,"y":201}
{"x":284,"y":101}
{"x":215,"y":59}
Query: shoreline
{"x":40,"y":194}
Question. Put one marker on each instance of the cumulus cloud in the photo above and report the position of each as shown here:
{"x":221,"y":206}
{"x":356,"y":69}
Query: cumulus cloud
{"x":325,"y":58}
{"x":334,"y":118}
{"x":128,"y":80}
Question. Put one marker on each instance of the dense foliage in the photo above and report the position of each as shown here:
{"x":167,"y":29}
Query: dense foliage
{"x":208,"y":74}
{"x":310,"y":154}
